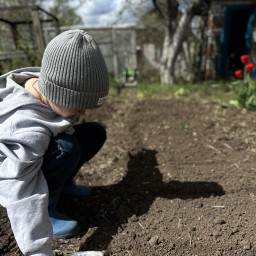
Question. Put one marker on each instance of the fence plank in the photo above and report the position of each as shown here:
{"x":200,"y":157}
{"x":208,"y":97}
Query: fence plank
{"x":38,"y":31}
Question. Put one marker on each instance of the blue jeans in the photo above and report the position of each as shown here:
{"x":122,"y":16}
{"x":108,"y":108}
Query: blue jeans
{"x":67,"y":153}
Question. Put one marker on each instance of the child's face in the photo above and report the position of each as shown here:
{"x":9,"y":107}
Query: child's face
{"x":65,"y":111}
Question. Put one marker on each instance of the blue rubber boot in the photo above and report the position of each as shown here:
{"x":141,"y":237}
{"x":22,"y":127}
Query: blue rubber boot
{"x":63,"y":226}
{"x":79,"y":191}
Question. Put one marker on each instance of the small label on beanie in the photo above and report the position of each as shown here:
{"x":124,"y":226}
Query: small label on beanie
{"x":101,"y":101}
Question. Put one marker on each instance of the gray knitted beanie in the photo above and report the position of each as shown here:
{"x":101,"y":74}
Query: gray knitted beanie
{"x":73,"y":72}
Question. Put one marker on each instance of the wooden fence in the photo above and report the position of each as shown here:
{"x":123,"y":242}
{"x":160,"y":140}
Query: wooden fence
{"x":123,"y":47}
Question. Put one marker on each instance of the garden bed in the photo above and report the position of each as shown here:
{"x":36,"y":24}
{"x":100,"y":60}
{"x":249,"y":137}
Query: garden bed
{"x":175,"y":177}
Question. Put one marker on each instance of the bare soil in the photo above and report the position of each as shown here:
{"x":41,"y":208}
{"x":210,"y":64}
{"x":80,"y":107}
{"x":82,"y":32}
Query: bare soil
{"x":175,"y":177}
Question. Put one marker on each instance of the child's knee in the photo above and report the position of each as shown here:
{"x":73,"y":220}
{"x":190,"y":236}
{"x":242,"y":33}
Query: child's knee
{"x":102,"y":134}
{"x":68,"y":147}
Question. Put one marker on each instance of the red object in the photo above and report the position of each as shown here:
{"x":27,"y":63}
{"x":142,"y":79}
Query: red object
{"x":244,"y":59}
{"x":249,"y":67}
{"x":239,"y":73}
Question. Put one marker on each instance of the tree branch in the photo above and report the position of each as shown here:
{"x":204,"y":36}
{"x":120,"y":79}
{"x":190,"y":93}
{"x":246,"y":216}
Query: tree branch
{"x":160,"y":13}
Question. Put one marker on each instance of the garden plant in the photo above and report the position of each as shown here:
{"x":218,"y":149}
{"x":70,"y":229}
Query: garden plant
{"x":245,"y":86}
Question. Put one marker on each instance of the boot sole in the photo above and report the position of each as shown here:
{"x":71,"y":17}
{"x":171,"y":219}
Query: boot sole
{"x":69,"y":235}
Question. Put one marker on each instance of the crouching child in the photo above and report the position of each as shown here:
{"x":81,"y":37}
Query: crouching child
{"x":41,"y":145}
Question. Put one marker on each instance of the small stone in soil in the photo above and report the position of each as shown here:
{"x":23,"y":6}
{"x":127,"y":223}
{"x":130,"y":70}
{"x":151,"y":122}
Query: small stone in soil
{"x":153,"y":240}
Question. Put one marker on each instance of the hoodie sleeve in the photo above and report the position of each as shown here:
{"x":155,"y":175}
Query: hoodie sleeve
{"x":24,"y":191}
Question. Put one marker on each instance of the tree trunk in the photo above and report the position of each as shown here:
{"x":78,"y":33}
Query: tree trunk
{"x":173,"y":43}
{"x":165,"y":60}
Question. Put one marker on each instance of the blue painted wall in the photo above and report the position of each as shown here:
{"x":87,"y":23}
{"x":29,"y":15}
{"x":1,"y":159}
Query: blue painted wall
{"x":235,"y":37}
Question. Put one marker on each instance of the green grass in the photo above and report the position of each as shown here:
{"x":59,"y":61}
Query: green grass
{"x":218,"y":92}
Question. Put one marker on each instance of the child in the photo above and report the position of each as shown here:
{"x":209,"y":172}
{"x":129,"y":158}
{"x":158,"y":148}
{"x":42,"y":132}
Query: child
{"x":41,"y":148}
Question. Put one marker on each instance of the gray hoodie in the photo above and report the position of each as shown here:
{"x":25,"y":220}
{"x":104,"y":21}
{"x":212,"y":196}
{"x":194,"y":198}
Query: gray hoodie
{"x":25,"y":131}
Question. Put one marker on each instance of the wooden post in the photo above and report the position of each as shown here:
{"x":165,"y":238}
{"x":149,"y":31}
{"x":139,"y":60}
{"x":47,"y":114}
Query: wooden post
{"x":115,"y":62}
{"x":14,"y":35}
{"x":133,"y":59}
{"x":38,"y":31}
{"x":54,"y":19}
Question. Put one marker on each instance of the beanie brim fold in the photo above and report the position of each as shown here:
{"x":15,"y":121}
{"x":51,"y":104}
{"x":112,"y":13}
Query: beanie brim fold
{"x":71,"y":98}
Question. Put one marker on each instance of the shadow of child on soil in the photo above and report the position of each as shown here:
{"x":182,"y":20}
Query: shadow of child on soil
{"x":113,"y":205}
